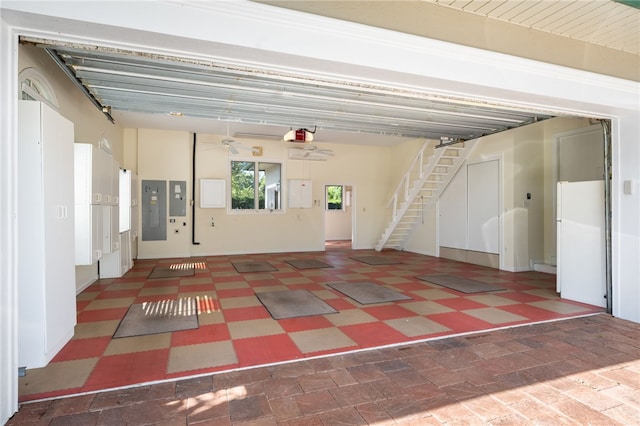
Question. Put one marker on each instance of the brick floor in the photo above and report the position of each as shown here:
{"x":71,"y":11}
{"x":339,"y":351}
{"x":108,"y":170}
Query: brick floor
{"x":509,"y":376}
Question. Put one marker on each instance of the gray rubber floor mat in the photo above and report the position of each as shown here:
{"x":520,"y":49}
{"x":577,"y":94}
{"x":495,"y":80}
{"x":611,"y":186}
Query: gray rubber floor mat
{"x":158,"y":317}
{"x":367,"y":293}
{"x":284,"y":304}
{"x":461,"y":284}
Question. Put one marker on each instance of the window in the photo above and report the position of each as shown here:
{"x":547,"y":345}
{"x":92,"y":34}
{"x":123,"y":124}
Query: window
{"x":34,"y":86}
{"x":255,"y":185}
{"x":334,"y":197}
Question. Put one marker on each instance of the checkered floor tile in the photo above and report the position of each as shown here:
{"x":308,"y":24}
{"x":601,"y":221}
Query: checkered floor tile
{"x":236,"y":331}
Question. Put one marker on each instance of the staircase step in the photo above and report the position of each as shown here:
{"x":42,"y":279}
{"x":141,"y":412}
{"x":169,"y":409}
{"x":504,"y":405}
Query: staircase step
{"x":426,"y":181}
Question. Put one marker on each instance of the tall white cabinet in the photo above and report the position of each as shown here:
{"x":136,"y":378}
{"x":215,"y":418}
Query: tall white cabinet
{"x":96,"y":203}
{"x":88,"y":211}
{"x":46,"y":272}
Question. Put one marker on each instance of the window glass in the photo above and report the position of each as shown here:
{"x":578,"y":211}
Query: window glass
{"x":255,"y":185}
{"x":269,"y":186}
{"x":34,"y":86}
{"x":334,"y":197}
{"x":242,"y":185}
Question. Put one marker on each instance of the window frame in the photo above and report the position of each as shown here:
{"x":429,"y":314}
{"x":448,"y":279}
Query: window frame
{"x":258,"y":210}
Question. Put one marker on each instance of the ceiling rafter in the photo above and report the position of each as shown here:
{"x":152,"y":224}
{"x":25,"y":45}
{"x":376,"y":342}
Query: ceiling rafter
{"x":149,"y":83}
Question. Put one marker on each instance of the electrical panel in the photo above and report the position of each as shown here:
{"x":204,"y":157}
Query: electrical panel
{"x":154,"y":210}
{"x":177,"y":198}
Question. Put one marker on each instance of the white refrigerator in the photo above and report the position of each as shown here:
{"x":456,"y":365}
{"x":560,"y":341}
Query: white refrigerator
{"x":581,"y":242}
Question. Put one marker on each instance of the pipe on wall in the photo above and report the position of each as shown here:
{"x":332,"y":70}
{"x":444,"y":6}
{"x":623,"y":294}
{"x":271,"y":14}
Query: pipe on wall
{"x":193,"y":193}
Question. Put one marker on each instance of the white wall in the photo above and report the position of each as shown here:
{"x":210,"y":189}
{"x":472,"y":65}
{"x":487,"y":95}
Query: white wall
{"x":626,"y":216}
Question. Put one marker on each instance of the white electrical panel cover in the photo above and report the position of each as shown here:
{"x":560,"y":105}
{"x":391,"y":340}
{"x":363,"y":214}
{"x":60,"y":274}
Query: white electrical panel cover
{"x":212,"y":193}
{"x":300,"y":194}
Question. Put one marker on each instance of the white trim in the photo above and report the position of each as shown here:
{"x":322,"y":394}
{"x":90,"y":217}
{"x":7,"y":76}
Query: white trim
{"x":283,"y":188}
{"x":8,"y":222}
{"x":35,"y":76}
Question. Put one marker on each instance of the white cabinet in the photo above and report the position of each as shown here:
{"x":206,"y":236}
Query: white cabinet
{"x":97,"y":190}
{"x":111,"y":209}
{"x":88,"y":227}
{"x":46,"y":273}
{"x":134,"y":216}
{"x":88,"y":212}
{"x":120,"y":260}
{"x":300,"y":194}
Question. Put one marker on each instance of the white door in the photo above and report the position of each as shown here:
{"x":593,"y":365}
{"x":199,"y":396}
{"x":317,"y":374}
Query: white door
{"x":453,"y":212}
{"x":581,"y":242}
{"x":483,"y":201}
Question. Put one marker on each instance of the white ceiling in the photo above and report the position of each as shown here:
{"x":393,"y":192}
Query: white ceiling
{"x":601,"y":22}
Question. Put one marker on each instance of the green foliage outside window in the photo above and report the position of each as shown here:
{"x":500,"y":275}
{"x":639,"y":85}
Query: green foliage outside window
{"x":243,"y":182}
{"x":334,"y":197}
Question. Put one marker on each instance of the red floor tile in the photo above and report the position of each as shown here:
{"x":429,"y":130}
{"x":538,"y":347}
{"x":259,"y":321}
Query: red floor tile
{"x":202,"y":334}
{"x":244,"y":314}
{"x":459,"y":322}
{"x":265,"y":350}
{"x":236,"y":292}
{"x":461,"y":303}
{"x":94,"y":315}
{"x":83,"y":348}
{"x":116,"y":294}
{"x":373,"y":334}
{"x":120,"y":370}
{"x":387,"y":312}
{"x":530,"y":312}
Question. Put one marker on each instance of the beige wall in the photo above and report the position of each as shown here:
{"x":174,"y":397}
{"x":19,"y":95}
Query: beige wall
{"x":166,"y":155}
{"x":526,"y":159}
{"x":90,"y":125}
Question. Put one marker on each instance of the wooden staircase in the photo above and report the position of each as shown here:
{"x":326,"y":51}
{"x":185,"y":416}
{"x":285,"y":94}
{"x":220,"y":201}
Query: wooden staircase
{"x":422,"y":184}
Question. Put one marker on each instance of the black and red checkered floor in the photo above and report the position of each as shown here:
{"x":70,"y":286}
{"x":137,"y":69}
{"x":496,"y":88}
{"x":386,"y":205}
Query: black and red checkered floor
{"x":236,"y":331}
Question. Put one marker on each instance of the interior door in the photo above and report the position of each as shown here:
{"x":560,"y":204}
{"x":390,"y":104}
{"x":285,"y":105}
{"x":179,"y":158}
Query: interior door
{"x":453,"y":212}
{"x":483,"y":201}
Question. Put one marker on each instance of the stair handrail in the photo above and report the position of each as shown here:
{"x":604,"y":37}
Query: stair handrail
{"x":405,"y":179}
{"x":439,"y":151}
